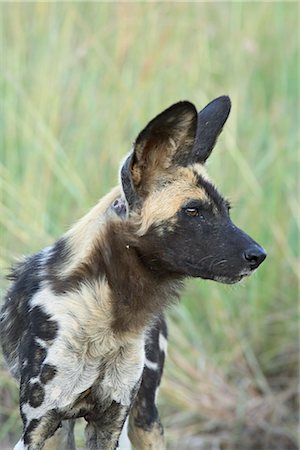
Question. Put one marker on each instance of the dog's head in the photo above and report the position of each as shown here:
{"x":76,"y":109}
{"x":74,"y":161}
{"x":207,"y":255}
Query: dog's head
{"x":184,"y":226}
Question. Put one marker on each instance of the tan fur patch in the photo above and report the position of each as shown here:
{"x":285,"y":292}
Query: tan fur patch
{"x":200,"y":169}
{"x":163,"y":202}
{"x":57,"y":442}
{"x":87,"y":230}
{"x":149,"y":439}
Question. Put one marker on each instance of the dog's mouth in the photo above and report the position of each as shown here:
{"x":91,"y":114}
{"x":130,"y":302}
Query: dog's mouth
{"x":230,"y":279}
{"x":224,"y":278}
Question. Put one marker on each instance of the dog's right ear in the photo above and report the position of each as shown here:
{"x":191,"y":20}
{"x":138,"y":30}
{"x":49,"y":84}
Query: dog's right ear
{"x":166,"y":141}
{"x":211,"y":120}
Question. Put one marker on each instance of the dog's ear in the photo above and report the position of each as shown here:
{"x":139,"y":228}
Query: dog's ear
{"x":166,"y":141}
{"x":211,"y":120}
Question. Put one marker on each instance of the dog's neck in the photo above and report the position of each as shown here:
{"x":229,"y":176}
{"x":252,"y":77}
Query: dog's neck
{"x":138,"y":293}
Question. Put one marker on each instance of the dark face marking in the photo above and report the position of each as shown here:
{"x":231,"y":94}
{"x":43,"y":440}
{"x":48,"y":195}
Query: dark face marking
{"x":48,"y":373}
{"x":36,"y":395}
{"x":42,"y":325}
{"x":215,"y":199}
{"x":201,"y":242}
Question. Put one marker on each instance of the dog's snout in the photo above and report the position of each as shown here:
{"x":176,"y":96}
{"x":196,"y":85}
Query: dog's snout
{"x":255,"y":255}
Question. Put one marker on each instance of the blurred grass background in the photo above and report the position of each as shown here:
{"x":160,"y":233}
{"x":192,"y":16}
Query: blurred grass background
{"x":77,"y":83}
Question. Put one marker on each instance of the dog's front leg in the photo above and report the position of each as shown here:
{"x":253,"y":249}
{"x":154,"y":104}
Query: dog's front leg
{"x":37,"y":431}
{"x":102,"y":433}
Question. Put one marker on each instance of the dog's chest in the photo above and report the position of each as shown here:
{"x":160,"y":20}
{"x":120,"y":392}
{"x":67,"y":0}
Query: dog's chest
{"x":88,"y":359}
{"x":115,"y":380}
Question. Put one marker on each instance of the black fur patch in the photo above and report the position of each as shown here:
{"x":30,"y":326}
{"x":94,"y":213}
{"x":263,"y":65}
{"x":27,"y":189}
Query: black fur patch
{"x":36,"y":395}
{"x":36,"y":355}
{"x":23,"y":416}
{"x":23,"y":392}
{"x":48,"y":373}
{"x":211,"y":120}
{"x":47,"y":425}
{"x":59,"y":254}
{"x":26,"y":282}
{"x":42,"y":325}
{"x":87,"y":270}
{"x":127,"y":183}
{"x":26,"y":275}
{"x":31,"y":427}
{"x":152,"y":350}
{"x":212,"y":193}
{"x":145,"y":412}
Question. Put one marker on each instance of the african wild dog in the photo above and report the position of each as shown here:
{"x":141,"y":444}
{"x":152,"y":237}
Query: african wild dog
{"x":82,"y":326}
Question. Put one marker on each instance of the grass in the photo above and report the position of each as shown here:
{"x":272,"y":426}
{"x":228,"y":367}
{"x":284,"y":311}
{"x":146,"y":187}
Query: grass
{"x":77,"y":83}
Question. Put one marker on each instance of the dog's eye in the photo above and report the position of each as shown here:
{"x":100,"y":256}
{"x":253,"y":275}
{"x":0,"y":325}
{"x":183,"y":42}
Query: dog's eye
{"x":195,"y":208}
{"x":192,"y":212}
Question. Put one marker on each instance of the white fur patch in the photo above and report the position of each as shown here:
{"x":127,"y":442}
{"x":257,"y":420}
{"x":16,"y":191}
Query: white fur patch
{"x":150,"y":364}
{"x":81,"y":236}
{"x":40,"y":342}
{"x":163,"y":343}
{"x":124,"y":442}
{"x":84,"y":344}
{"x":123,"y":373}
{"x":20,"y":445}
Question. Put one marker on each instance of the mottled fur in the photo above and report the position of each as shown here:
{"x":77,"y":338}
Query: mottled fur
{"x":82,"y":326}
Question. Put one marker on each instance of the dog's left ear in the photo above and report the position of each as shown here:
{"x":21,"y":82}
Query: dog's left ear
{"x":211,"y":120}
{"x":166,"y":141}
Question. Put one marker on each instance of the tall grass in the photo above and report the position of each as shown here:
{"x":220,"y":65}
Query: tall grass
{"x":77,"y":83}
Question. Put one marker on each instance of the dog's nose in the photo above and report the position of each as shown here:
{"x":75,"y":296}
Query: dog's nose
{"x":255,"y":255}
